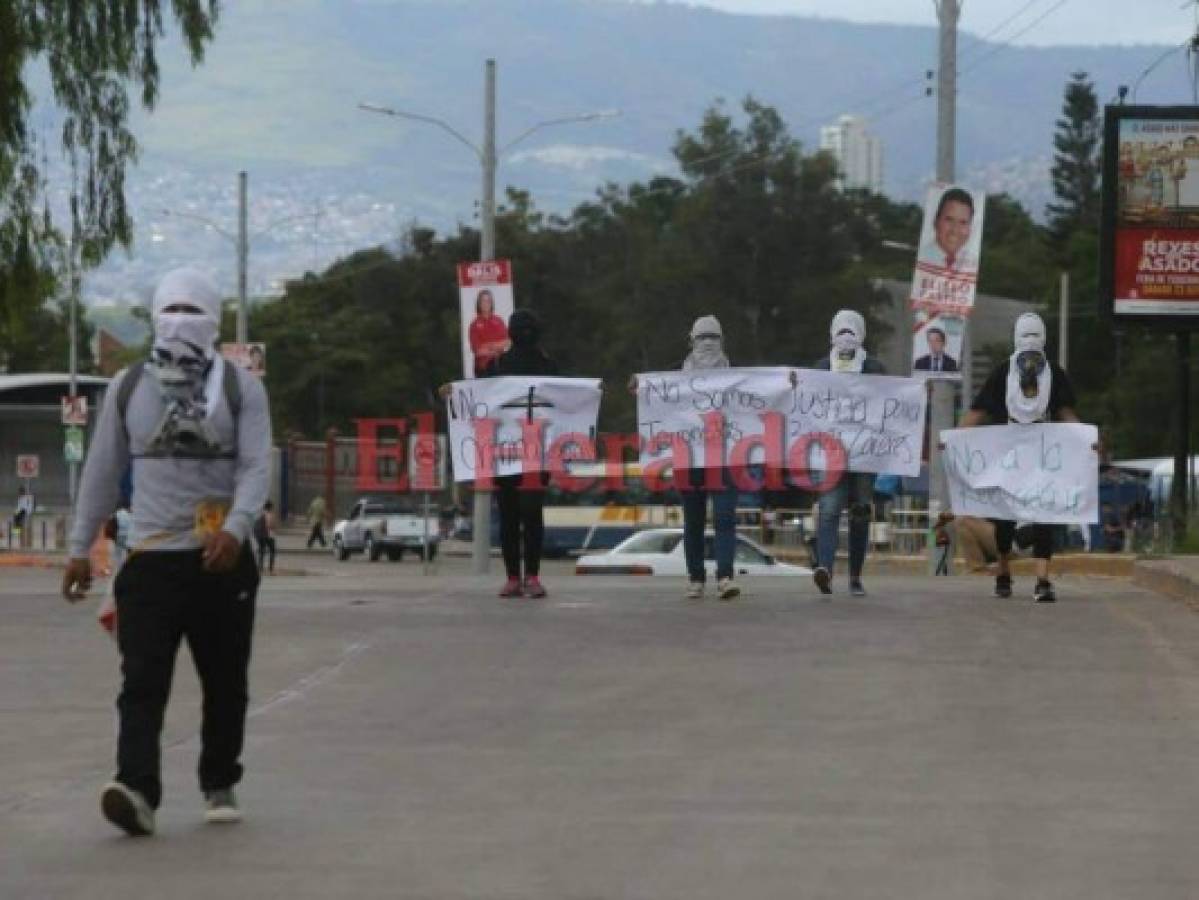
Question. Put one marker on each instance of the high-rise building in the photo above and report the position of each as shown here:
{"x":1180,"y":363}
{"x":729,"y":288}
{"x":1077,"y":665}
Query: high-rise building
{"x":859,"y":153}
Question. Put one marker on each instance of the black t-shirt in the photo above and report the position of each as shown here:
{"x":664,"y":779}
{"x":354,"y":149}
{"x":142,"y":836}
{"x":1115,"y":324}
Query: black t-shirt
{"x":992,"y":399}
{"x":522,"y":361}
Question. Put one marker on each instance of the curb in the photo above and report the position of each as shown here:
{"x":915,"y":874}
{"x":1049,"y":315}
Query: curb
{"x":1168,"y":578}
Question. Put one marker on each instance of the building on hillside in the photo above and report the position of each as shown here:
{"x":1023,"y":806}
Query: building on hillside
{"x":859,"y":153}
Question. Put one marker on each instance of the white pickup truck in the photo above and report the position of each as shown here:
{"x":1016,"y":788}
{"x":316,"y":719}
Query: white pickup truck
{"x":385,"y":526}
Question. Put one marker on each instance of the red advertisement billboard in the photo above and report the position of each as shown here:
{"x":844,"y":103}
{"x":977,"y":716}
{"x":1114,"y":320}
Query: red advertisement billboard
{"x":1150,"y":238}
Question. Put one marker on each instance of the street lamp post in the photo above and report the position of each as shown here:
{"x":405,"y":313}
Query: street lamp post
{"x":241,"y":242}
{"x":488,"y":160}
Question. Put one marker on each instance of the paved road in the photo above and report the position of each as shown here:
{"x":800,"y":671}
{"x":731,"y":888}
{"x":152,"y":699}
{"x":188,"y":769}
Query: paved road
{"x":419,"y":738}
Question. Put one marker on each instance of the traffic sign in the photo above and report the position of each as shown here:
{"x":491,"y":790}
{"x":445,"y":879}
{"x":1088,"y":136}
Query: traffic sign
{"x":74,"y":410}
{"x":427,"y":462}
{"x":72,"y":448}
{"x":28,"y":466}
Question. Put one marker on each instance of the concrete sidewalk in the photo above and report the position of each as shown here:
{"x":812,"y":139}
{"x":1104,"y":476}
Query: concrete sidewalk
{"x":416,"y":737}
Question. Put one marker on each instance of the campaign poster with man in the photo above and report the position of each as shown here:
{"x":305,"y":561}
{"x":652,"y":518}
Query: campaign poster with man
{"x":1151,"y":212}
{"x":487,"y":300}
{"x":937,"y":340}
{"x":950,"y":246}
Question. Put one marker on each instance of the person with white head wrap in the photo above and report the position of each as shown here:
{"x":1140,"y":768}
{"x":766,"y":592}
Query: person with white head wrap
{"x":1026,"y":388}
{"x":706,"y":338}
{"x":186,"y":317}
{"x":855,"y":490}
{"x":707,"y":345}
{"x":847,"y":334}
{"x":196,"y":435}
{"x":707,"y":352}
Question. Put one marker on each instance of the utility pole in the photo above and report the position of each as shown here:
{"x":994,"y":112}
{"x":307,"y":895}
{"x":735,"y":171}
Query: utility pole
{"x":481,"y":519}
{"x":73,"y":330}
{"x":243,"y":260}
{"x":1063,"y":337}
{"x":1179,"y":494}
{"x":941,"y":400}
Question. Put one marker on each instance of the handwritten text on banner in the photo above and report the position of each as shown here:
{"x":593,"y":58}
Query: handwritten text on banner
{"x":1045,"y":473}
{"x":766,"y":412}
{"x":504,"y":426}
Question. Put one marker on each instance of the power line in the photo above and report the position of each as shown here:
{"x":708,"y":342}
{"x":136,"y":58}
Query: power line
{"x":1012,"y":38}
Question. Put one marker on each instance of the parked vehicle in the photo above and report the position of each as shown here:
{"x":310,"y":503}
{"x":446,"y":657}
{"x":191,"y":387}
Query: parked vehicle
{"x":659,"y":551}
{"x":386,"y":526}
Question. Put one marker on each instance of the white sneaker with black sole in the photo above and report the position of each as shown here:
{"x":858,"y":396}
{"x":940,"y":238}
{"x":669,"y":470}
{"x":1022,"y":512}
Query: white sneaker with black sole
{"x":127,"y":809}
{"x":728,"y":589}
{"x":221,"y":807}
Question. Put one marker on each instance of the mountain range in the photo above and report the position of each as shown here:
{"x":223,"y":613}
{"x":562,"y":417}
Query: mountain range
{"x":277,"y":96}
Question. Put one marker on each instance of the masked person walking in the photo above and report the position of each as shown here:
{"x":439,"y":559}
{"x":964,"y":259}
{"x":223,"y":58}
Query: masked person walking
{"x":707,"y":352}
{"x":853,"y":489}
{"x":1027,"y":387}
{"x":198,"y":434}
{"x":522,"y":516}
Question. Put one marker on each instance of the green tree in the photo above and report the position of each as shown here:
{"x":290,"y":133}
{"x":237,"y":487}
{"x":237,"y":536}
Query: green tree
{"x":1075,"y":170}
{"x":96,"y":52}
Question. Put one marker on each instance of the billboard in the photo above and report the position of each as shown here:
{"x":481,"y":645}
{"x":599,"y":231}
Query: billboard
{"x":1149,"y":243}
{"x":486,"y":299}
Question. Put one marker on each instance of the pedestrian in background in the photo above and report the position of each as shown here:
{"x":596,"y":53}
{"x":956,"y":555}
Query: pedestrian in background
{"x":316,"y":521}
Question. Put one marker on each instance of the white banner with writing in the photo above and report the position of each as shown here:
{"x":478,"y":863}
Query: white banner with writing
{"x":741,"y":416}
{"x":877,"y":419}
{"x":505,"y":426}
{"x":1045,"y":473}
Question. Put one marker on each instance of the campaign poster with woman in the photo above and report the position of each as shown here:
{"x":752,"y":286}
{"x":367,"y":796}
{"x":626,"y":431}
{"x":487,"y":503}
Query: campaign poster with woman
{"x":485,"y":294}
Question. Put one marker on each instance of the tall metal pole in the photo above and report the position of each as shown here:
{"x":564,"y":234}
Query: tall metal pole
{"x":1063,"y":338}
{"x":243,"y":259}
{"x":941,"y":413}
{"x":1182,"y":446}
{"x":73,"y":328}
{"x":481,"y":527}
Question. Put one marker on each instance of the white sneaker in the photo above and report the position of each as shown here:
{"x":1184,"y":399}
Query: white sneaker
{"x":728,"y":589}
{"x":695,"y":590}
{"x":221,"y":807}
{"x":127,"y":809}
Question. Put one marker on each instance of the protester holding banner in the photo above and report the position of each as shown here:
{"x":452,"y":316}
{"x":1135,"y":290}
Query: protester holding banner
{"x":1027,"y":387}
{"x":522,"y":519}
{"x":855,"y":489}
{"x":707,"y":352}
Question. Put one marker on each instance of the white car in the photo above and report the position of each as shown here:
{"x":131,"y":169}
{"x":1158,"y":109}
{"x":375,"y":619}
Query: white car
{"x":659,"y":551}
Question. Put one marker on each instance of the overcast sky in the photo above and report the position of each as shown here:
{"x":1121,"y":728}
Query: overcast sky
{"x":1071,"y":22}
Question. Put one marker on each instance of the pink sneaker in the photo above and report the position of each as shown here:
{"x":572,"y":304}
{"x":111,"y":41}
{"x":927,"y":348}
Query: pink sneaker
{"x":534,"y":588}
{"x":511,"y":588}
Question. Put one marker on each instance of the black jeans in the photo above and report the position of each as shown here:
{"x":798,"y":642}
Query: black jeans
{"x":266,"y":548}
{"x":163,"y":597}
{"x":316,"y":534}
{"x":521,"y":511}
{"x":1042,"y":538}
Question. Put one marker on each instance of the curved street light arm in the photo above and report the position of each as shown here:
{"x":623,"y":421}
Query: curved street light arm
{"x":565,"y":120}
{"x":416,"y":117}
